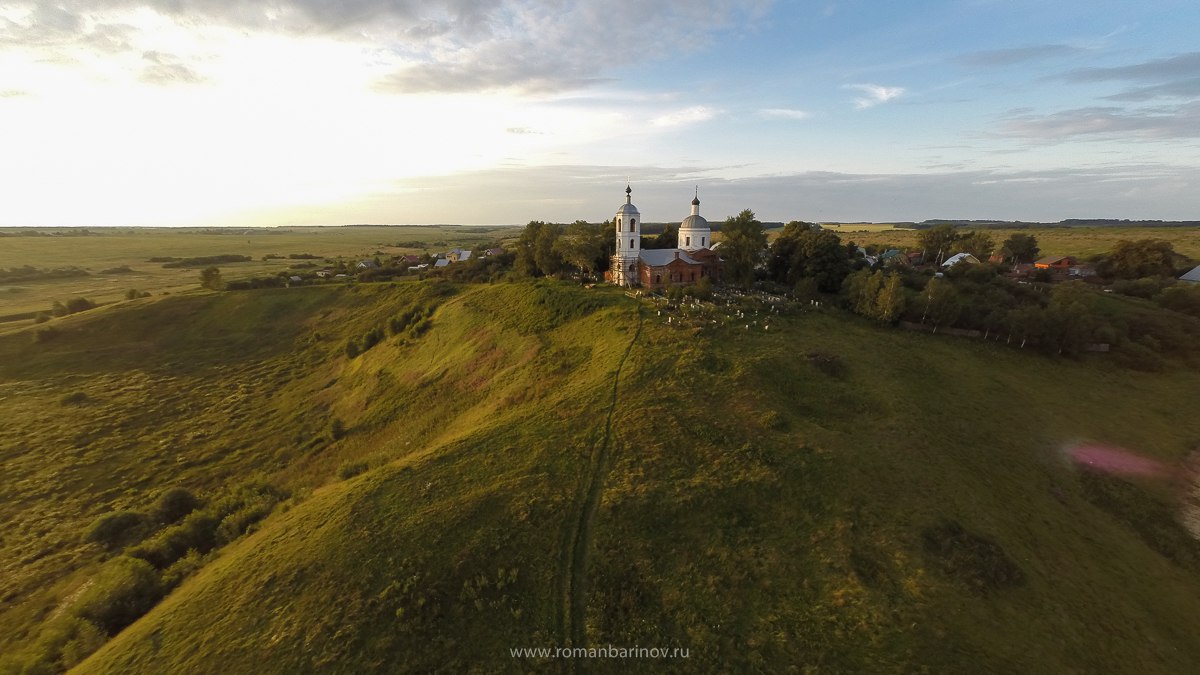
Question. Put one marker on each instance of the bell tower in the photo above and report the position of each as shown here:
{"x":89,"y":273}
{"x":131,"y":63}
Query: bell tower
{"x":628,"y":230}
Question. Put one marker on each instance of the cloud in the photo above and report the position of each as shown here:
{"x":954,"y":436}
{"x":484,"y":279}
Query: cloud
{"x":1183,"y":65}
{"x":527,"y":46}
{"x":1009,"y":57}
{"x":690,"y":115}
{"x":13,"y":93}
{"x":1158,"y":123}
{"x":784,"y":113}
{"x":567,"y":193}
{"x":875,"y":94}
{"x":1173,"y":77}
{"x":167,"y":69}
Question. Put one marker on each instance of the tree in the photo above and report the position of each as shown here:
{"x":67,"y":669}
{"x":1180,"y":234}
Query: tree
{"x":1025,"y":323}
{"x":1020,"y":248}
{"x":868,"y":293}
{"x":668,"y":239}
{"x":548,"y":260}
{"x":210,"y":278}
{"x":803,"y":250}
{"x":889,"y":304}
{"x":583,"y":246}
{"x":942,"y":304}
{"x":1141,"y":258}
{"x":978,"y":244}
{"x":938,"y":242}
{"x":743,"y":240}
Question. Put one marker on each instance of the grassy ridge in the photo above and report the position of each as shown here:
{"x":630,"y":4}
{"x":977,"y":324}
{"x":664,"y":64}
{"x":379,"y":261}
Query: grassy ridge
{"x":909,"y":508}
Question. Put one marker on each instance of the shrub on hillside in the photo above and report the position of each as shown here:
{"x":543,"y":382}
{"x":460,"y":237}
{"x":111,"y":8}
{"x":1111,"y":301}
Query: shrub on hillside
{"x":351,"y":469}
{"x":62,"y":644}
{"x":337,"y":429}
{"x":973,"y":559}
{"x":174,"y":504}
{"x":79,"y":305}
{"x":198,"y":531}
{"x":117,"y":529}
{"x":124,"y":590}
{"x":46,"y":335}
{"x":182,"y":569}
{"x":73,"y":398}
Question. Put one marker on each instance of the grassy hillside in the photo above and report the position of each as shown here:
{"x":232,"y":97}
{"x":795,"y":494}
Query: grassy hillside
{"x":546,"y":466}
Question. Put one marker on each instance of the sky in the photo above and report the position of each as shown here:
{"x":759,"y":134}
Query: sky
{"x":307,"y":112}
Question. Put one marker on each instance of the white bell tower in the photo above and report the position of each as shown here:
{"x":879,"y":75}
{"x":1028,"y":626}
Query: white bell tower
{"x":694,"y":232}
{"x":629,"y":242}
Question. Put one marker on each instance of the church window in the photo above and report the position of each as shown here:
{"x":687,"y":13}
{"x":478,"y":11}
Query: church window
{"x":687,"y":241}
{"x":658,"y":278}
{"x":618,"y":222}
{"x":693,"y":276}
{"x":632,"y":222}
{"x":701,"y":242}
{"x":630,"y":243}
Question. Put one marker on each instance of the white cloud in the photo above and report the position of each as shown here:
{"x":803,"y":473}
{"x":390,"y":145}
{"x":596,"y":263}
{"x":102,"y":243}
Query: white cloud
{"x":690,"y":115}
{"x":784,"y":113}
{"x":875,"y":94}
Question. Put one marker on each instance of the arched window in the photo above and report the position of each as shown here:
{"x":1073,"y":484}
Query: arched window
{"x":658,"y":278}
{"x":630,"y":243}
{"x":632,"y":222}
{"x":687,"y":241}
{"x":618,"y":223}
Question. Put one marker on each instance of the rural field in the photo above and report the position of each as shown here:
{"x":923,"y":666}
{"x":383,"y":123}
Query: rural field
{"x":118,"y":259}
{"x":1076,"y":241}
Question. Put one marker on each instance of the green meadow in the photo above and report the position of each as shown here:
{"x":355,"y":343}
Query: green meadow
{"x":539,"y":465}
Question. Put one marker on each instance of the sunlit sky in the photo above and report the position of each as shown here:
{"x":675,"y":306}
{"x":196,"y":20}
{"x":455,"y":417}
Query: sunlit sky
{"x":302,"y":112}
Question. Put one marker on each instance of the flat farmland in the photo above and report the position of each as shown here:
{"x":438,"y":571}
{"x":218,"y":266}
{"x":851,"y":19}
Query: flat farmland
{"x":118,"y":259}
{"x":1076,"y":241}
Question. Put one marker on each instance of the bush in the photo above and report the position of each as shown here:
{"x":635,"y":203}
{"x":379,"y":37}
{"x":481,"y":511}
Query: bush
{"x":46,"y":335}
{"x":198,"y":531}
{"x":351,"y":469}
{"x":240,"y":521}
{"x":337,"y":429}
{"x":975,"y":560}
{"x":125,"y":589}
{"x":182,"y":569}
{"x":42,"y":317}
{"x":830,"y":364}
{"x":73,"y":398}
{"x":79,"y":305}
{"x":117,"y":529}
{"x":352,"y":349}
{"x":174,"y":504}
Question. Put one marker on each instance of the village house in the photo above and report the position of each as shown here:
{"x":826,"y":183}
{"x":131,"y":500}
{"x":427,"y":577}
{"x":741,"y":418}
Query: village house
{"x":1054,"y":262}
{"x":960,"y":258}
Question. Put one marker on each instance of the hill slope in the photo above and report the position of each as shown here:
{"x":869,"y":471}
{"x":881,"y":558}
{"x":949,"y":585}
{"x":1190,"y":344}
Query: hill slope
{"x":552,"y":466}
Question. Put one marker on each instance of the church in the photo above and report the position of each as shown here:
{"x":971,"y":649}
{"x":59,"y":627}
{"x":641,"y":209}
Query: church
{"x":659,"y":268}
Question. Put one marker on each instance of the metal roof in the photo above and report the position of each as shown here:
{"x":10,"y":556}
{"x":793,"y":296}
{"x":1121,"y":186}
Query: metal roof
{"x":663,"y":256}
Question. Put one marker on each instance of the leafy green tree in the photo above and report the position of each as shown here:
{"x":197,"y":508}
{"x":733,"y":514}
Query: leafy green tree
{"x":1020,"y":248}
{"x":868,"y":293}
{"x":743,"y":241}
{"x":942,"y":303}
{"x":582,"y":245}
{"x":804,"y":250}
{"x":1141,"y":258}
{"x":668,"y":239}
{"x":1181,"y":297}
{"x":1025,"y":323}
{"x":938,"y":242}
{"x":1069,"y":320}
{"x":890,"y":302}
{"x":549,"y":261}
{"x":526,"y":261}
{"x":210,"y":278}
{"x":978,"y":244}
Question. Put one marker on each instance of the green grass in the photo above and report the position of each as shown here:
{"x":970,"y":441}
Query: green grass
{"x":909,"y":510}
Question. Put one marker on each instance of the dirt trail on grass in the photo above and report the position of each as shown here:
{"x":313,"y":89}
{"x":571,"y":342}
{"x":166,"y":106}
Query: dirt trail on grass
{"x":577,"y":536}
